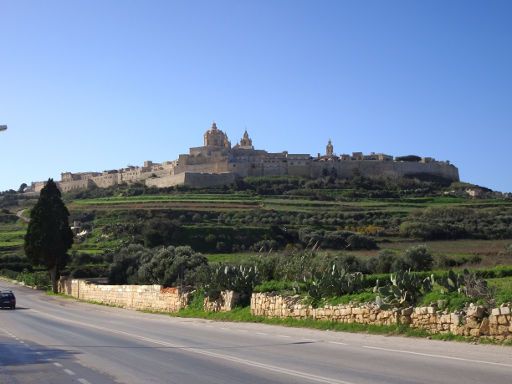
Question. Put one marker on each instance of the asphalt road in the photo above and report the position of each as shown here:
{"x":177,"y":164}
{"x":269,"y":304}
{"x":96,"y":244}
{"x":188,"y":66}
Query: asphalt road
{"x":57,"y":340}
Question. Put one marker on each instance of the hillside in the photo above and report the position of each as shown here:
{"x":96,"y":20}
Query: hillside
{"x":359,"y":217}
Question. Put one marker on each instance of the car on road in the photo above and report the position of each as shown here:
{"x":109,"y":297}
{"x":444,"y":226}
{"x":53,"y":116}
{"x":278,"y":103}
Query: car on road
{"x":7,"y":299}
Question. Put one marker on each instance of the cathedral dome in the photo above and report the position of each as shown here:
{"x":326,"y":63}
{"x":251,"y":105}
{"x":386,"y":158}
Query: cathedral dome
{"x":214,"y":137}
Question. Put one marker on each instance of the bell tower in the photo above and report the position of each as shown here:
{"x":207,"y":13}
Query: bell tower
{"x":329,"y":149}
{"x":246,"y":141}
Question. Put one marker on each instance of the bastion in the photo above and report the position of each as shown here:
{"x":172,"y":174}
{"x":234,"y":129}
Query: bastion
{"x":217,"y":163}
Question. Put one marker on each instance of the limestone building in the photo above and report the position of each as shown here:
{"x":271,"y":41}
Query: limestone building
{"x":218,"y":163}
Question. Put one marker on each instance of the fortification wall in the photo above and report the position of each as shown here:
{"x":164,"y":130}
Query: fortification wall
{"x":105,"y":181}
{"x":300,"y":168}
{"x":36,"y":186}
{"x":141,"y":297}
{"x":249,"y":162}
{"x":274,"y":168}
{"x":73,"y":185}
{"x":166,"y":181}
{"x":195,"y":180}
{"x":474,"y":322}
{"x":205,"y":167}
{"x":392,"y":169}
{"x":138,"y":176}
{"x":198,"y":180}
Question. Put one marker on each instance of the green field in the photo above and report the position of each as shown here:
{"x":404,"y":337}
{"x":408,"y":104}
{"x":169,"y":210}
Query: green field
{"x":274,"y":220}
{"x":249,"y":211}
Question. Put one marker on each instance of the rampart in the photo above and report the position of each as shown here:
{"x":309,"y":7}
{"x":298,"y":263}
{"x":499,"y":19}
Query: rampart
{"x":474,"y":322}
{"x":191,"y":179}
{"x":217,"y":163}
{"x":391,"y":169}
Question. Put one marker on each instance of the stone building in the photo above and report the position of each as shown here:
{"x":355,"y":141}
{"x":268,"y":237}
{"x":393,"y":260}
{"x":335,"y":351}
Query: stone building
{"x":217,"y":163}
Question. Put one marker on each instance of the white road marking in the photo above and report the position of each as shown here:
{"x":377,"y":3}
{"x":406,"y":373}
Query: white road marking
{"x":224,"y":329}
{"x":438,"y":356}
{"x":22,"y":342}
{"x":58,"y":365}
{"x":284,"y":336}
{"x":337,"y":342}
{"x":261,"y":333}
{"x":83,"y":381}
{"x":69,"y":372}
{"x":39,"y":353}
{"x":268,"y":367}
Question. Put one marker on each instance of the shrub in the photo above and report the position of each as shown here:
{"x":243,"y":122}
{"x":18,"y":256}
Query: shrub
{"x":419,"y":258}
{"x":383,"y":263}
{"x":170,"y":265}
{"x":357,"y":241}
{"x":335,"y":239}
{"x":126,"y":263}
{"x":451,"y":301}
{"x":39,"y":279}
{"x":89,"y":271}
{"x":281,"y":286}
{"x":9,"y":273}
{"x":159,"y":232}
{"x":265,"y":246}
{"x":476,"y":287}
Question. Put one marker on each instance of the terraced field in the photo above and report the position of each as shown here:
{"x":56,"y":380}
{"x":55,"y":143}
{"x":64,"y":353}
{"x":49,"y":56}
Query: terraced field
{"x":246,"y":217}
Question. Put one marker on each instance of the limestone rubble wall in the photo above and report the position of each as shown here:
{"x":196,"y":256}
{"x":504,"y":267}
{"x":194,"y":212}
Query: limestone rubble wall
{"x":224,"y":303}
{"x":141,"y":297}
{"x":474,"y":322}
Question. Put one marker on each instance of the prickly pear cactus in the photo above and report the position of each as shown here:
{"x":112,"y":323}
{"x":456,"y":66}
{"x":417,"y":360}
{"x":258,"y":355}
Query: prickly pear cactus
{"x":403,"y":290}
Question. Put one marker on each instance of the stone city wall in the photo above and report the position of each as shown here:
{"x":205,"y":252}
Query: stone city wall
{"x":166,"y":181}
{"x":67,"y":186}
{"x":206,"y":172}
{"x":196,"y":180}
{"x":208,"y":179}
{"x":392,"y":169}
{"x":142,"y":297}
{"x":474,"y":322}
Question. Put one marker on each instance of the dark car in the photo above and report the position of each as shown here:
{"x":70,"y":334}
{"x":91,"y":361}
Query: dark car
{"x":7,"y":299}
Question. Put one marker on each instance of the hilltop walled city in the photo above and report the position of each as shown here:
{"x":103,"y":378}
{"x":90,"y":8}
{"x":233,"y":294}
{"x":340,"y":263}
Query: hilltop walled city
{"x":218,"y":163}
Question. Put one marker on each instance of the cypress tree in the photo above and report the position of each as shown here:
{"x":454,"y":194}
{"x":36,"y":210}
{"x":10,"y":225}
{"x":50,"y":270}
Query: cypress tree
{"x":48,"y":235}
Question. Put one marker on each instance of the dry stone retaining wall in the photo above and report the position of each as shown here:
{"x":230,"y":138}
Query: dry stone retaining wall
{"x":142,"y":297}
{"x":225,"y":303}
{"x":474,"y":322}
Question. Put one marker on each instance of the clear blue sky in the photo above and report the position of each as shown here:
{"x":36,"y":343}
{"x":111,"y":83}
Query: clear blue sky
{"x":95,"y":85}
